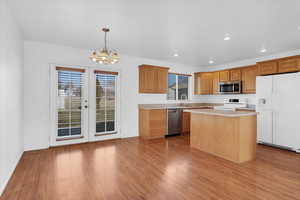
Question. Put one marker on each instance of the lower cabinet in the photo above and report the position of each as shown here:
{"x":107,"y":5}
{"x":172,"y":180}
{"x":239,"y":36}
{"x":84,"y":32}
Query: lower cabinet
{"x":152,"y":123}
{"x":186,"y":122}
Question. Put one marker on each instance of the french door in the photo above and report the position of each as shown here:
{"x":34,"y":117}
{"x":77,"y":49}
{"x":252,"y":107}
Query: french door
{"x":84,"y":105}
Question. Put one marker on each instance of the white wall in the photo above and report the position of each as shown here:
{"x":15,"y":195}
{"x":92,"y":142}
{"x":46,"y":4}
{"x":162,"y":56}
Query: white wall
{"x":11,"y":94}
{"x":37,"y":58}
{"x":241,"y":63}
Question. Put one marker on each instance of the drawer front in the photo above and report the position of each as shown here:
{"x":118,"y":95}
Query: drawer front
{"x":267,"y":68}
{"x":289,"y":65}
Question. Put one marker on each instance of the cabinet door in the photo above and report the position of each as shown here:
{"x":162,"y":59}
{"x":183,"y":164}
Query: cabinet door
{"x":265,"y":127}
{"x":289,"y":65}
{"x":216,"y":77}
{"x":235,"y":75}
{"x":186,"y":120}
{"x":161,"y":80}
{"x":153,"y":79}
{"x":249,"y":79}
{"x":224,"y":76}
{"x":205,"y":83}
{"x":269,"y":67}
{"x":147,"y":80}
{"x":157,"y":123}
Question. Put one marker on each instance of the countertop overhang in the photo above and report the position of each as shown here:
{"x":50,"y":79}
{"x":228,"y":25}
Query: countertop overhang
{"x":223,"y":113}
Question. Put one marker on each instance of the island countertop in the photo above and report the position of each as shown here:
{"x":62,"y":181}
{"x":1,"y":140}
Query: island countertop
{"x":223,"y":113}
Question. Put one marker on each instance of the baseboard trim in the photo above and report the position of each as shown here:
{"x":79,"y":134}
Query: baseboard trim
{"x":11,"y":171}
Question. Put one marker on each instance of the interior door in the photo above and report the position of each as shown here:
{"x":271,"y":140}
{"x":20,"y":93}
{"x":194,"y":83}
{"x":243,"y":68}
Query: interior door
{"x":286,"y":108}
{"x":69,"y":105}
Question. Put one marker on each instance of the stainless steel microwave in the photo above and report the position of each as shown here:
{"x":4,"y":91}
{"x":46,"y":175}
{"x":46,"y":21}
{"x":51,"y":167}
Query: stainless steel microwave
{"x":230,"y":87}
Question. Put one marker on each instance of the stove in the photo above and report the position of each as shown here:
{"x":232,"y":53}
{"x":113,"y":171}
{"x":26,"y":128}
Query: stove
{"x":233,"y":104}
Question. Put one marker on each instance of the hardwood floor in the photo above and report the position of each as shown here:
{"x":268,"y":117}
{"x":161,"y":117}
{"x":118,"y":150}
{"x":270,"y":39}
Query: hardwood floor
{"x":160,"y":169}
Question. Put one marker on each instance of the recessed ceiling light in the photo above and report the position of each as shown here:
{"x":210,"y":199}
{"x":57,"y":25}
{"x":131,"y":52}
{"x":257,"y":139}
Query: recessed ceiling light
{"x":298,"y":27}
{"x":263,"y":50}
{"x":175,"y":54}
{"x":227,"y":37}
{"x":211,"y":62}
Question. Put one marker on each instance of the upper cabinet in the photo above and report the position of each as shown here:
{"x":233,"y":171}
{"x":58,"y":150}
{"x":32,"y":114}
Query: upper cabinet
{"x":215,"y":82}
{"x":249,"y":79}
{"x":153,"y":79}
{"x":235,"y":74}
{"x":203,"y":83}
{"x":267,"y":67}
{"x":224,"y":76}
{"x":282,"y":65}
{"x":289,"y":64}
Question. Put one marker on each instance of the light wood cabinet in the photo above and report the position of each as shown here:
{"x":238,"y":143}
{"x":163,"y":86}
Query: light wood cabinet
{"x":153,"y":79}
{"x":235,"y":74}
{"x":203,"y":83}
{"x":224,"y":76}
{"x":267,"y":67}
{"x":289,"y":64}
{"x":208,"y":82}
{"x":231,"y":138}
{"x":216,"y":78}
{"x":152,"y":123}
{"x":249,"y":79}
{"x":162,"y":80}
{"x":186,"y":120}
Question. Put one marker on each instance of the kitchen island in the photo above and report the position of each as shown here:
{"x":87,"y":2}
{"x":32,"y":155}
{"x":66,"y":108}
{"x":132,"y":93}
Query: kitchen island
{"x":227,"y":134}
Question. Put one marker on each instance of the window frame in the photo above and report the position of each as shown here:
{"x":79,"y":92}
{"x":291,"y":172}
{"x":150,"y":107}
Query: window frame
{"x":176,"y":80}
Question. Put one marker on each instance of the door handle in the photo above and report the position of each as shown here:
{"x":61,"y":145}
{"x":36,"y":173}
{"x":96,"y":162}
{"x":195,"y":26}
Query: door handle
{"x":80,"y":107}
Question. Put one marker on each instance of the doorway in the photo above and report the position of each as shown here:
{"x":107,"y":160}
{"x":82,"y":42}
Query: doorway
{"x":84,"y":105}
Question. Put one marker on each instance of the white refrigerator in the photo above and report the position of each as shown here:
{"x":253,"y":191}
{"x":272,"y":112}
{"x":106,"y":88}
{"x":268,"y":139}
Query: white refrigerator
{"x":278,"y":107}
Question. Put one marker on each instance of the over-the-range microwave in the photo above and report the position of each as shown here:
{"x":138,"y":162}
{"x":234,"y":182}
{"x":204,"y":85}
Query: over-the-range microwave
{"x":233,"y":87}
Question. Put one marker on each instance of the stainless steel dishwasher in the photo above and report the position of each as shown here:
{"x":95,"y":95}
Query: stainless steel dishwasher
{"x":174,"y":121}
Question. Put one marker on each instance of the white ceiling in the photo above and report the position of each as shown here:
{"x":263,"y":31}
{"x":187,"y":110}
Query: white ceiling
{"x":157,"y":28}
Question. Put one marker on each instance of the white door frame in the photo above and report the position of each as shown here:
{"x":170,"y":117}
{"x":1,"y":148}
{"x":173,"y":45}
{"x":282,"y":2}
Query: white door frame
{"x":92,"y":108}
{"x":89,"y":125}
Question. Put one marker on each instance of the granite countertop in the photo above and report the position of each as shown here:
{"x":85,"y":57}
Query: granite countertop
{"x":188,"y":106}
{"x":223,"y":113}
{"x":183,"y":106}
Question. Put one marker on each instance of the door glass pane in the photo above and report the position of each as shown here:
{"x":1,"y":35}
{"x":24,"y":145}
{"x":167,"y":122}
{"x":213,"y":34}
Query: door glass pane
{"x":105,"y":103}
{"x":68,"y":103}
{"x":183,"y":84}
{"x":171,"y":87}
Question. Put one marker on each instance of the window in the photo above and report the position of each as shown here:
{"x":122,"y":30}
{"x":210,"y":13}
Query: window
{"x":105,"y":103}
{"x":69,"y":99}
{"x":178,"y":87}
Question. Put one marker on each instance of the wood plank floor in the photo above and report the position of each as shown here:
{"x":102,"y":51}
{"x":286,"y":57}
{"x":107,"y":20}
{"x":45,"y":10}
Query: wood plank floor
{"x":133,"y":169}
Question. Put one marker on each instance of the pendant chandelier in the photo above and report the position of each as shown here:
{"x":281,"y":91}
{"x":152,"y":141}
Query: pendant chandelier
{"x":105,"y":56}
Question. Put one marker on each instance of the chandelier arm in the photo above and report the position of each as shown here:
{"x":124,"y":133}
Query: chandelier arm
{"x":106,"y":48}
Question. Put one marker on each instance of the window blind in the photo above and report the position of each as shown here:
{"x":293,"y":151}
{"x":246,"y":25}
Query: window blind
{"x":69,"y":99}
